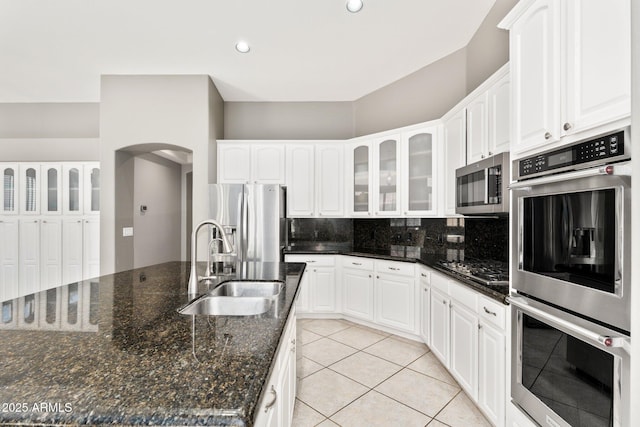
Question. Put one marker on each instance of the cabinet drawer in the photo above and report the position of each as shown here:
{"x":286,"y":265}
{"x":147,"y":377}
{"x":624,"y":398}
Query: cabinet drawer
{"x":357,"y":262}
{"x":312,"y":260}
{"x":492,"y":312}
{"x":392,"y":267}
{"x":463,"y":295}
{"x":424,"y":274}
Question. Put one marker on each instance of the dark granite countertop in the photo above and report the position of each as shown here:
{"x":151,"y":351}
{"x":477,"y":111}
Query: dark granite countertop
{"x":114,"y":350}
{"x":496,"y":292}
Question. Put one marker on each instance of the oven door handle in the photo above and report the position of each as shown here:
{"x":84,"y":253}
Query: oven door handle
{"x":587,"y":335}
{"x":611,"y":170}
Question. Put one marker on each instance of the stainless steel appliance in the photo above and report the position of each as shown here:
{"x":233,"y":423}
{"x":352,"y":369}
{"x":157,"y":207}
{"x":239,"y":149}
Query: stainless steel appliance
{"x":567,"y":371}
{"x":571,"y":230}
{"x":486,"y":272}
{"x":254,"y":216}
{"x":481,"y":187}
{"x":570,"y":271}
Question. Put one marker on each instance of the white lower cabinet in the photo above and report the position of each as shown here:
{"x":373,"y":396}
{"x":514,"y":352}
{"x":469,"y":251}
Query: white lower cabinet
{"x":50,"y":253}
{"x":91,"y":248}
{"x":491,"y":376}
{"x":72,"y":239}
{"x":464,"y":348}
{"x":276,"y":407}
{"x":9,"y":263}
{"x":29,"y":281}
{"x":317,"y":292}
{"x":425,"y":300}
{"x":357,"y":292}
{"x":395,"y":302}
{"x":439,"y":325}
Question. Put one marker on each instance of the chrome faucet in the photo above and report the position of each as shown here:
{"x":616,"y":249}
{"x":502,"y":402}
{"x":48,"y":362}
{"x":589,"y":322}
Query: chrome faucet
{"x":227,"y":248}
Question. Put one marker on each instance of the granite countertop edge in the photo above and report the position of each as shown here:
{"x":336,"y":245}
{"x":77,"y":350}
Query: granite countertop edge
{"x":427,"y":262}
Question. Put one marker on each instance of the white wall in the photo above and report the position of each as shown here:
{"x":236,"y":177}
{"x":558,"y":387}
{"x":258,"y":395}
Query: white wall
{"x":157,"y":232}
{"x":149,"y":113}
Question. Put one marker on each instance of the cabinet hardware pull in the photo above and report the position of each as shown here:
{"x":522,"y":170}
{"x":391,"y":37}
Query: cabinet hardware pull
{"x":356,"y":263}
{"x":486,"y":310}
{"x":377,"y":277}
{"x":547,"y":135}
{"x":479,"y":326}
{"x":310,"y":260}
{"x":567,"y":126}
{"x":482,"y":156}
{"x":393,"y":268}
{"x":444,"y":301}
{"x":35,"y":221}
{"x":369,"y":276}
{"x":423,"y":275}
{"x":490,"y":153}
{"x":273,"y":402}
{"x":44,"y":222}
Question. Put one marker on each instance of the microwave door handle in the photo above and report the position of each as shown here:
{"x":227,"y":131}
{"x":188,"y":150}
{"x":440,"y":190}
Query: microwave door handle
{"x":579,"y":331}
{"x":486,"y":186}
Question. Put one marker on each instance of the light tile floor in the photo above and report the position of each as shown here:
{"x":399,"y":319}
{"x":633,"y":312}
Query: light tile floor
{"x":350,"y":375}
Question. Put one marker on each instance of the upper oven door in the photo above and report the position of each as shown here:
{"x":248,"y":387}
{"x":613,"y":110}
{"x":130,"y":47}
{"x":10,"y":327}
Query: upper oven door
{"x":570,"y":246}
{"x":481,"y":186}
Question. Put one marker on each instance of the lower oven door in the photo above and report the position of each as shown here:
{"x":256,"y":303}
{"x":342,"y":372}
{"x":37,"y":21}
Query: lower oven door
{"x":565,"y":370}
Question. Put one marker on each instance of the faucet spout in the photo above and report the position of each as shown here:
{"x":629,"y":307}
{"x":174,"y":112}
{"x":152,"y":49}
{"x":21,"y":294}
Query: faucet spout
{"x":227,"y":247}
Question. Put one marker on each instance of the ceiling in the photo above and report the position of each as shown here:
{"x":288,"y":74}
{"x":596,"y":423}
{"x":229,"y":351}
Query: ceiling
{"x":302,"y":50}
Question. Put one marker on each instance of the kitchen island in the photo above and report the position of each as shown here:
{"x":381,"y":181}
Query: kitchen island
{"x":114,"y":350}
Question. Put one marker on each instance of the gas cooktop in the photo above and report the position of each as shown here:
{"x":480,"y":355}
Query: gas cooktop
{"x":485,"y":272}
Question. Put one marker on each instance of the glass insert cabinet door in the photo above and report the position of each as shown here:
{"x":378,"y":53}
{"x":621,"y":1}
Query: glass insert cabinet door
{"x":29,"y":189}
{"x":387,"y":176}
{"x":419,"y":196}
{"x":72,"y":185}
{"x":361,"y":180}
{"x":51,"y":190}
{"x":92,"y":188}
{"x":9,"y":189}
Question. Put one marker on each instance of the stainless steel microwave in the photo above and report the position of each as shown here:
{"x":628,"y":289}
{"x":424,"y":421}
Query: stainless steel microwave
{"x":482,"y":187}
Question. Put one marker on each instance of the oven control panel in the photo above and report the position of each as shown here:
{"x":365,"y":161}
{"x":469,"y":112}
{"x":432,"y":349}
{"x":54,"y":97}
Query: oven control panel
{"x":598,"y":150}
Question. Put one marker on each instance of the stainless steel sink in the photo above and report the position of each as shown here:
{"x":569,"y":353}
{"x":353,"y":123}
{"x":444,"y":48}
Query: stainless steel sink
{"x":236,"y":298}
{"x":245,"y":288}
{"x":212,"y":305}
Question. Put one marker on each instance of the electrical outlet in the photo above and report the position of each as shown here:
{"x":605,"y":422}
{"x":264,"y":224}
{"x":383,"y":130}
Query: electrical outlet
{"x":127,"y":231}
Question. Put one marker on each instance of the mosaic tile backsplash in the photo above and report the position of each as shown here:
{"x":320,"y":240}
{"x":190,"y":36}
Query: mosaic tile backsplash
{"x":450,"y":238}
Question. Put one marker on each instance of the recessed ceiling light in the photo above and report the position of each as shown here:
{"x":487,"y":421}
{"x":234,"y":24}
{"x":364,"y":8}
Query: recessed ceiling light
{"x":242,"y":47}
{"x":354,"y":5}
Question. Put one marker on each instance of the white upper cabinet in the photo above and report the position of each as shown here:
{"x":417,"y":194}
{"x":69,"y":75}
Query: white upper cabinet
{"x":488,"y":118}
{"x":10,"y":179}
{"x":419,"y":184}
{"x":251,"y":163}
{"x":72,"y":183}
{"x":386,"y":163}
{"x":499,"y":97}
{"x":477,"y":128}
{"x":315,"y":179}
{"x":570,"y":69}
{"x":454,"y":148}
{"x":359,"y":161}
{"x":51,"y":189}
{"x":330,"y":179}
{"x":30,"y":188}
{"x":300,"y":180}
{"x":91,"y":188}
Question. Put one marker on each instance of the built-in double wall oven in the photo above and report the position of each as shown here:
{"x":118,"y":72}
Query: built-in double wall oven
{"x":571,"y":281}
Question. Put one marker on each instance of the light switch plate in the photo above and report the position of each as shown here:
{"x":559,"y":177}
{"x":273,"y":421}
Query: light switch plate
{"x":127,"y":231}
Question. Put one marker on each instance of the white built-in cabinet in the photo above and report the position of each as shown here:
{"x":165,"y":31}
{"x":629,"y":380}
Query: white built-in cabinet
{"x":50,"y":225}
{"x":242,"y":162}
{"x":396,"y":295}
{"x":488,"y":119}
{"x":315,"y":179}
{"x":424,"y":284}
{"x":570,"y":70}
{"x":454,"y":129}
{"x":9,"y":257}
{"x":317,"y":293}
{"x":278,"y":398}
{"x":358,"y":288}
{"x":440,"y":319}
{"x":394,"y":174}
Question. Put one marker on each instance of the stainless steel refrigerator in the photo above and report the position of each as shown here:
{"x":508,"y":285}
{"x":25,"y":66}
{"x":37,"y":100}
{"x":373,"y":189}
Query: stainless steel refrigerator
{"x":254,"y":217}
